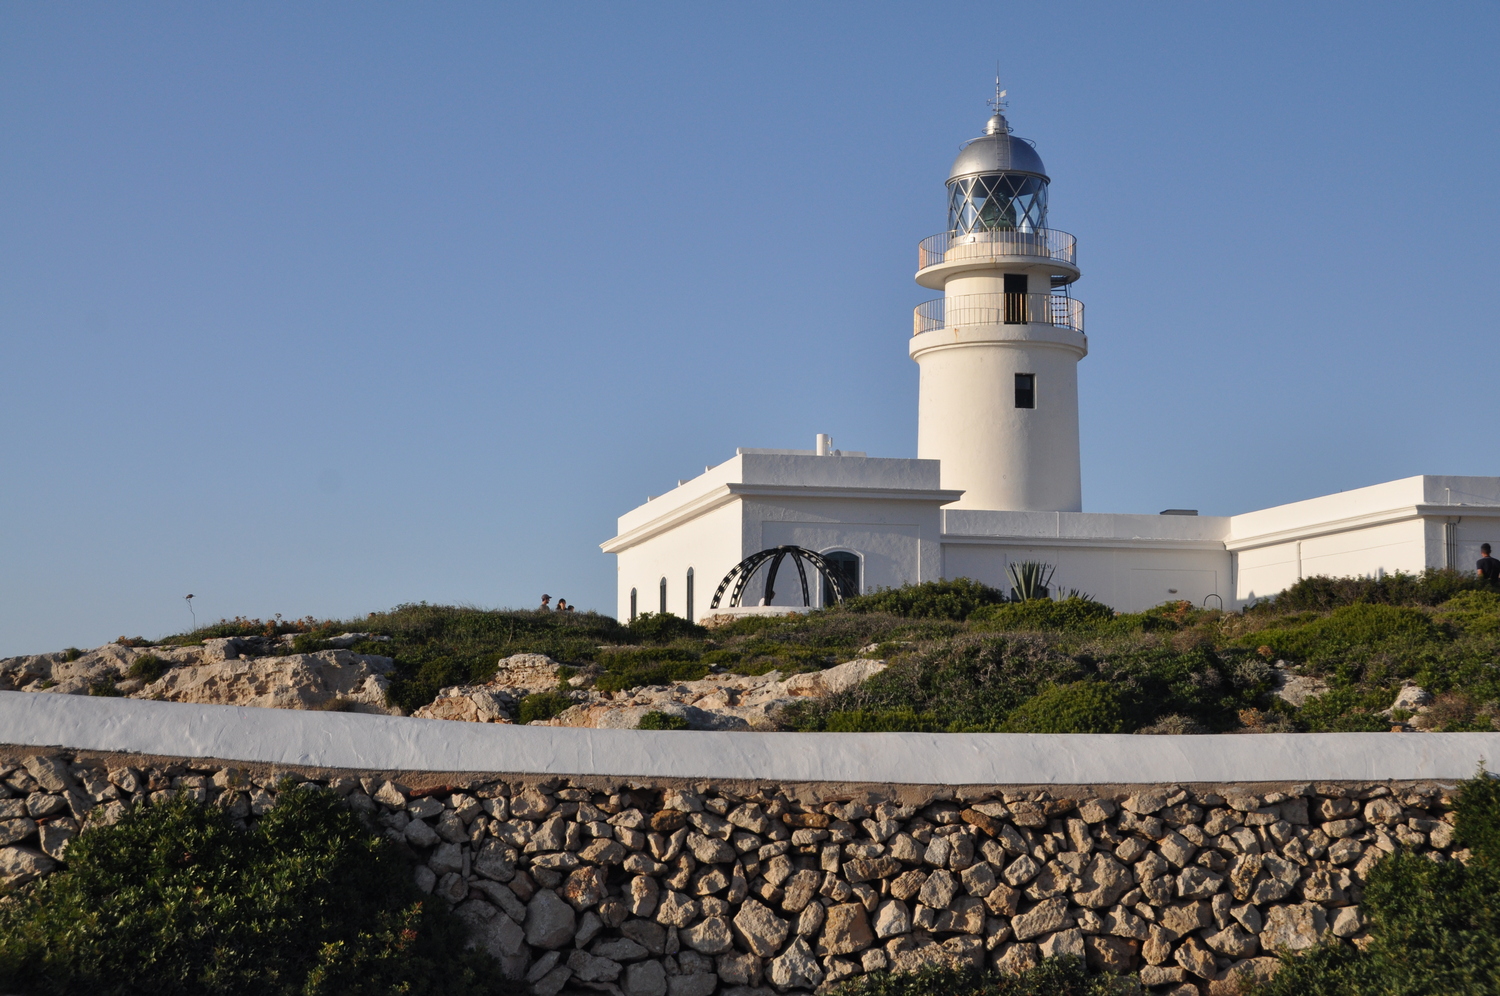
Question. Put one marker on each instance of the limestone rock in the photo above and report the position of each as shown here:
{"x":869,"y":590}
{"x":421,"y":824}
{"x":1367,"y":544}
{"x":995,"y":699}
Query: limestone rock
{"x":711,"y":936}
{"x":1293,"y":928}
{"x":591,"y":968}
{"x":761,"y":930}
{"x":550,"y":922}
{"x":19,"y":865}
{"x":1046,"y":917}
{"x":645,"y":978}
{"x":795,"y":967}
{"x":846,"y":930}
{"x":1108,"y":954}
{"x":1067,"y":943}
{"x":297,"y":681}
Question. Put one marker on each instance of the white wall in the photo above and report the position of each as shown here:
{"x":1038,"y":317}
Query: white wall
{"x":708,"y":543}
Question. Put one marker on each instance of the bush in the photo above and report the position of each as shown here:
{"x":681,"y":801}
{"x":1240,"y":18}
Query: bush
{"x":1358,"y":625}
{"x":631,"y":667}
{"x":175,"y":899}
{"x":1079,"y":707}
{"x":147,"y":667}
{"x":1434,"y":928}
{"x":543,"y":705}
{"x":954,"y":599}
{"x":662,"y":721}
{"x":1044,"y":614}
{"x":1060,"y":977}
{"x":663,"y":627}
{"x":1320,"y":594}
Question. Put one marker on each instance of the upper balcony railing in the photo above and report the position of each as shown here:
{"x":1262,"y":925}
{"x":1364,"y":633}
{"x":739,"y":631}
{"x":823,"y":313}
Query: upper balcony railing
{"x":998,"y":309}
{"x":952,"y":247}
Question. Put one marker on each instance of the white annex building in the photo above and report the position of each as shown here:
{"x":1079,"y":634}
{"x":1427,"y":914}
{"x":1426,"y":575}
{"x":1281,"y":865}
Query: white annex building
{"x":997,"y":479}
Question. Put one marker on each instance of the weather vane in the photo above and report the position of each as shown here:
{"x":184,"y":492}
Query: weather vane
{"x":999,"y":103}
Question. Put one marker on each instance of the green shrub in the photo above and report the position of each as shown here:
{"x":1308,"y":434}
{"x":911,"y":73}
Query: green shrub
{"x":175,"y":899}
{"x":1473,"y":612}
{"x":543,"y":705}
{"x":72,"y":654}
{"x":1059,"y":977}
{"x":1360,"y":625}
{"x":1079,"y":707}
{"x":663,"y":627}
{"x":631,"y":667}
{"x":1321,"y":593}
{"x":1345,"y":710}
{"x":662,"y":721}
{"x":147,"y":667}
{"x":1434,"y":928}
{"x":1044,"y":614}
{"x":950,"y":599}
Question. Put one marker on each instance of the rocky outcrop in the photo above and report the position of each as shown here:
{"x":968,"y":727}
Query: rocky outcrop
{"x":674,"y":891}
{"x":355,"y":682}
{"x":246,"y":671}
{"x":717,"y":702}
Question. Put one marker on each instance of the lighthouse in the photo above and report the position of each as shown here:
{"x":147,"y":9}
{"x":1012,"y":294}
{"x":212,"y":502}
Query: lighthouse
{"x":999,"y":351}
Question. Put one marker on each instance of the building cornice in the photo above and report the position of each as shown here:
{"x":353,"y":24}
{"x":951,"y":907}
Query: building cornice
{"x":1404,"y":513}
{"x":726,"y":493}
{"x":1090,"y":542}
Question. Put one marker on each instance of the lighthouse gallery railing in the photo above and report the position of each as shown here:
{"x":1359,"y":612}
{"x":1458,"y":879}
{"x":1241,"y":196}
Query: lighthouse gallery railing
{"x":949,"y":247}
{"x":998,"y":309}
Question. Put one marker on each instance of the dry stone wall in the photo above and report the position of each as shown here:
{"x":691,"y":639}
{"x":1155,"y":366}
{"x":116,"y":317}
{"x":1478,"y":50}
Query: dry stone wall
{"x":664,"y":889}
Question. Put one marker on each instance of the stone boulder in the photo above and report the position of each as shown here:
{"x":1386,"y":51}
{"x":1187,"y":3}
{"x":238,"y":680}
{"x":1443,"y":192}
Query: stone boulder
{"x":297,"y":681}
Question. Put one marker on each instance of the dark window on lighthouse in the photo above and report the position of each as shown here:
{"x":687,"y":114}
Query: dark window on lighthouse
{"x":1025,"y":390}
{"x":1015,"y":299}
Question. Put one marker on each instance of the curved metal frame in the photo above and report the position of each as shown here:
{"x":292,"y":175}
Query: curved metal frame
{"x":739,"y":575}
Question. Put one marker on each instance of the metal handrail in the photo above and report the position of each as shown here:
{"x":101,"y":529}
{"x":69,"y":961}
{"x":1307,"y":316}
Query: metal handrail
{"x":947,"y":247}
{"x":998,"y":309}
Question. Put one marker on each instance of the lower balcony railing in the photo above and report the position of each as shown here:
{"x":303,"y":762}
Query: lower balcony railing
{"x":949,"y":247}
{"x":998,"y":309}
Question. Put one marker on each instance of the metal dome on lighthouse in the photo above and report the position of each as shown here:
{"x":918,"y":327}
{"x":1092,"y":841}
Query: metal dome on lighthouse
{"x":999,"y":351}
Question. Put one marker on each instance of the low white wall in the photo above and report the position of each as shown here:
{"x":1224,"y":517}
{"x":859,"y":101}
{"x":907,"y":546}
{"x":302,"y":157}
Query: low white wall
{"x":388,"y":743}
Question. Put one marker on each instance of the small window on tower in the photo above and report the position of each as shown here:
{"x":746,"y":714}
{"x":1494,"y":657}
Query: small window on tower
{"x":1025,"y":390}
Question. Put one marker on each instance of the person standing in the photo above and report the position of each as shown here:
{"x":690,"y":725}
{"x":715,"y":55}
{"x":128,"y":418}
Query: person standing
{"x":546,"y":605}
{"x":1488,"y":567}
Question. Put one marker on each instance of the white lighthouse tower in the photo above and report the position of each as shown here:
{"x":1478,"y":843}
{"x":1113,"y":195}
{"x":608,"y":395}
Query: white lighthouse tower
{"x":999,"y":350}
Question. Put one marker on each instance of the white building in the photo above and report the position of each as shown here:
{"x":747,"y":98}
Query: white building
{"x":997,"y":477}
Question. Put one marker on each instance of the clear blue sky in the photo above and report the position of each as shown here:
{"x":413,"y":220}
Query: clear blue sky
{"x":320,"y":308}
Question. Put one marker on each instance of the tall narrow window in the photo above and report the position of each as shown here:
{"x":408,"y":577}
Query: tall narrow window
{"x":1015,"y":299}
{"x":663,"y":596}
{"x":632,"y":605}
{"x":845,"y":568}
{"x":690,"y":595}
{"x":1025,"y":390}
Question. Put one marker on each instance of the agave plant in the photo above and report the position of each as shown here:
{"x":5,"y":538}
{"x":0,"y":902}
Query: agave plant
{"x":1029,"y":579}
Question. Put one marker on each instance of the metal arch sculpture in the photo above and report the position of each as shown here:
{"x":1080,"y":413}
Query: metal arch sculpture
{"x":739,"y":575}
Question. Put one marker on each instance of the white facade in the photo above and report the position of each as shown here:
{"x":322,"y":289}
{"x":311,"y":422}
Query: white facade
{"x":997,"y":479}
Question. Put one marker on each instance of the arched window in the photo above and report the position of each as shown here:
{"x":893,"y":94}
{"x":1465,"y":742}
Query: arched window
{"x":632,"y":605}
{"x":690,"y":595}
{"x":845,"y":566}
{"x":663,"y":596}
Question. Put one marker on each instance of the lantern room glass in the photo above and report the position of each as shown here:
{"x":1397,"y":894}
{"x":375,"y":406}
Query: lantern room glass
{"x":997,"y":202}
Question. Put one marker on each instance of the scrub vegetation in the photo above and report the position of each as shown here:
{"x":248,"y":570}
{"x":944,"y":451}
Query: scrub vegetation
{"x":175,"y":898}
{"x":964,"y":658}
{"x":1434,"y":927}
